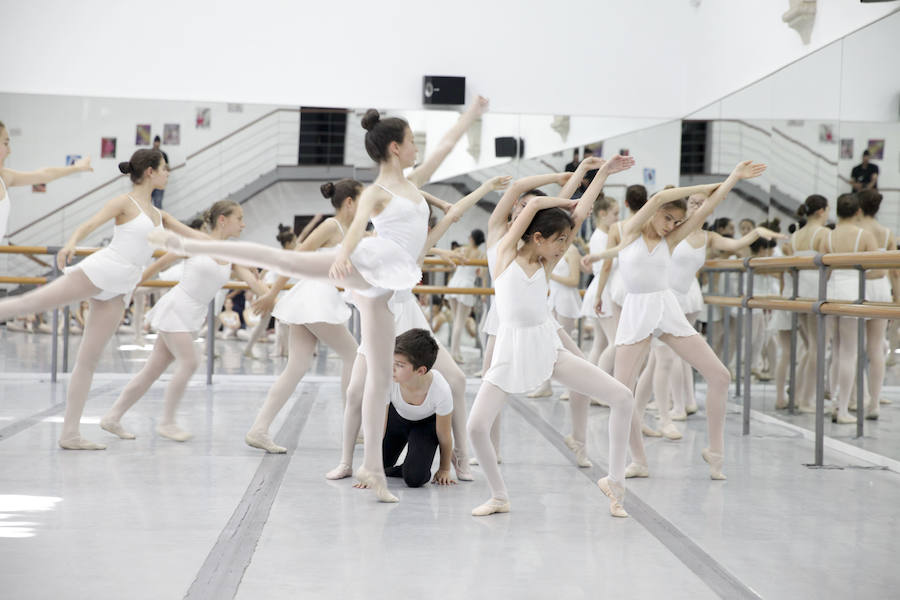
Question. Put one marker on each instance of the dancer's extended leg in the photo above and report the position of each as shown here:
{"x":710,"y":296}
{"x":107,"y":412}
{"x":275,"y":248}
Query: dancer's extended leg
{"x":70,"y":288}
{"x":629,"y":360}
{"x":181,"y":345}
{"x":488,"y":404}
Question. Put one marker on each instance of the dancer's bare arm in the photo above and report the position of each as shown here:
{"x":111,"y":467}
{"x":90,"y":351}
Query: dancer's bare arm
{"x":585,"y":204}
{"x":445,"y":442}
{"x":249,"y":276}
{"x":111,"y":210}
{"x":422,"y":174}
{"x":46,"y":175}
{"x":724,"y":244}
{"x":173,"y":224}
{"x":591,"y":162}
{"x":507,"y":246}
{"x":500,"y":214}
{"x":370,"y":198}
{"x":161,"y":264}
{"x":572,"y":259}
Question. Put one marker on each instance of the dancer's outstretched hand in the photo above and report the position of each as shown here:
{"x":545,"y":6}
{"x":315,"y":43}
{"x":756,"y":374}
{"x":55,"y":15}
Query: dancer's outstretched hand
{"x":500,"y":182}
{"x":598,"y":305}
{"x":341,"y":267}
{"x":563,"y":178}
{"x":64,"y":255}
{"x":618,"y":163}
{"x":264,"y":304}
{"x":480,"y":105}
{"x":84,"y":164}
{"x":587,"y":263}
{"x":749,"y":169}
{"x":443,"y":478}
{"x":593,"y":162}
{"x":768,"y":234}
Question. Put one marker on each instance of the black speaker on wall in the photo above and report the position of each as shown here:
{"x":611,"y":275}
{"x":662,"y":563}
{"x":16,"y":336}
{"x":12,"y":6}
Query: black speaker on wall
{"x":438,"y":89}
{"x":509,"y":147}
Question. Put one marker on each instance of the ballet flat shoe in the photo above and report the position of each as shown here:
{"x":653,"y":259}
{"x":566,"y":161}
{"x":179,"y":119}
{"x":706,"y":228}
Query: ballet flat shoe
{"x":490,"y":507}
{"x":616,"y":494}
{"x":649,"y":431}
{"x":636,"y":470}
{"x":670,"y":432}
{"x":714,"y":460}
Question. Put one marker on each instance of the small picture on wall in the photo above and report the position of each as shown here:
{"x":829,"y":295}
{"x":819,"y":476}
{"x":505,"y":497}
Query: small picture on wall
{"x":846,"y":147}
{"x":826,"y":133}
{"x":624,"y":151}
{"x":107,"y":147}
{"x":876,"y":149}
{"x":171,"y":134}
{"x":142,"y":135}
{"x":203,"y":118}
{"x":39,"y":188}
{"x":71,"y":159}
{"x":649,"y":177}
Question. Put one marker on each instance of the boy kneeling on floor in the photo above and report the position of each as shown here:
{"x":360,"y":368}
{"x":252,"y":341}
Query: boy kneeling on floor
{"x":420,"y":408}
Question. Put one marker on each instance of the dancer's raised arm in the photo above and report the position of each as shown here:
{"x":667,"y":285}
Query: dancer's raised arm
{"x":369,"y":199}
{"x":589,"y":163}
{"x":46,"y":175}
{"x":111,"y":210}
{"x":724,"y":244}
{"x":250,"y":278}
{"x":585,"y":204}
{"x":500,"y":215}
{"x":422,"y":174}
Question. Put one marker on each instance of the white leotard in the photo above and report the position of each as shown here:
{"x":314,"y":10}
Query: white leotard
{"x":185,"y":307}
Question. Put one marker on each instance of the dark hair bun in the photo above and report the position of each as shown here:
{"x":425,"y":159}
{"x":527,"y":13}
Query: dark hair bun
{"x":126,"y":168}
{"x":801,"y":210}
{"x":327,"y":189}
{"x":370,"y":119}
{"x":282,"y":227}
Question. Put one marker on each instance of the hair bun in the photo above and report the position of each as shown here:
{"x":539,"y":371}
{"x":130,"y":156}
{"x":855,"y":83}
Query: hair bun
{"x":801,"y":210}
{"x":327,"y":189}
{"x":370,"y":119}
{"x":125,"y":167}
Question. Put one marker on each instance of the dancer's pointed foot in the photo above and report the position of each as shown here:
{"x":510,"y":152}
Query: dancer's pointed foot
{"x":564,"y":396}
{"x":678,"y":415}
{"x":616,"y":494}
{"x":461,"y":463}
{"x":542,"y":392}
{"x":494,"y":505}
{"x":670,"y":432}
{"x":79,"y":443}
{"x":691,"y":409}
{"x":173,"y":432}
{"x":341,"y":471}
{"x":649,"y":431}
{"x":166,"y":240}
{"x":714,"y":459}
{"x":806,"y":409}
{"x":581,"y":457}
{"x":115,"y":428}
{"x":264,"y":442}
{"x":636,"y":470}
{"x":376,"y":484}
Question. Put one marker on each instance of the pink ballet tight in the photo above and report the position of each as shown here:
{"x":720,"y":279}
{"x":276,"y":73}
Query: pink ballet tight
{"x":607,"y":358}
{"x":460,"y":314}
{"x":578,"y":375}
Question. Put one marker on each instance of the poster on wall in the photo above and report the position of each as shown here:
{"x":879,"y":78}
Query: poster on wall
{"x":39,"y":188}
{"x":171,"y":134}
{"x":107,"y":147}
{"x":649,"y":177}
{"x":846,"y":147}
{"x":142,"y":135}
{"x":826,"y":133}
{"x":71,"y":159}
{"x":203,"y":118}
{"x":876,"y":149}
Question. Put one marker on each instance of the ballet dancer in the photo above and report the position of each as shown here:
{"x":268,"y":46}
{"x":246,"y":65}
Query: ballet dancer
{"x":107,"y":277}
{"x":314,"y":311}
{"x":10,"y":178}
{"x":177,"y":317}
{"x":843,"y":284}
{"x":464,"y":277}
{"x":880,"y":287}
{"x":408,"y":315}
{"x":807,"y":241}
{"x":528,"y":349}
{"x":606,"y":213}
{"x":652,"y":310}
{"x":373,"y":267}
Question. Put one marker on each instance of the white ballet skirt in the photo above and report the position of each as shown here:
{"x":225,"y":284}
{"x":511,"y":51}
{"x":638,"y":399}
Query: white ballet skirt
{"x":389,"y":260}
{"x":686,"y":261}
{"x":564,"y":299}
{"x":312,"y":301}
{"x":4,"y":210}
{"x":463,"y":277}
{"x":117,"y":268}
{"x":186,"y":305}
{"x":808,"y":286}
{"x":527,"y":343}
{"x":692,"y":301}
{"x":879,"y":290}
{"x":650,"y":308}
{"x":598,"y":243}
{"x":843,"y":284}
{"x":491,"y":321}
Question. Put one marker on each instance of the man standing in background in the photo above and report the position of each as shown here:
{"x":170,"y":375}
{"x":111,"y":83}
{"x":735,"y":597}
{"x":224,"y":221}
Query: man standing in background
{"x":156,"y":196}
{"x":865,"y":175}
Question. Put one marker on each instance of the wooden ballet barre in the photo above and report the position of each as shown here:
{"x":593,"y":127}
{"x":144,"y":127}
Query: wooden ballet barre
{"x":440,"y":289}
{"x":475,"y":262}
{"x":732,"y":301}
{"x":866,"y":260}
{"x":24,"y":280}
{"x":46,"y":250}
{"x":773,"y":303}
{"x":846,"y":309}
{"x":731,"y":264}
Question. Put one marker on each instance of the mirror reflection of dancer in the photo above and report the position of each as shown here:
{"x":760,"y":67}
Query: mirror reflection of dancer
{"x":177,"y":317}
{"x":528,"y":349}
{"x":651,"y":308}
{"x":372,"y":267}
{"x":314,"y":311}
{"x":107,"y":277}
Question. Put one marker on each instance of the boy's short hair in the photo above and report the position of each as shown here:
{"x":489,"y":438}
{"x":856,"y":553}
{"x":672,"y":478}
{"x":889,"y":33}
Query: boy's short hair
{"x":418,"y":346}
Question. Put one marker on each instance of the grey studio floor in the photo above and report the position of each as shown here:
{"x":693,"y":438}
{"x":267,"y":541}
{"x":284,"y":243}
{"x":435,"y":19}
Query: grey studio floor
{"x":213,"y":518}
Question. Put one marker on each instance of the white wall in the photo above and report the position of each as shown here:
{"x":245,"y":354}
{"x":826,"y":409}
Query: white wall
{"x":663,"y":58}
{"x":44,"y":129}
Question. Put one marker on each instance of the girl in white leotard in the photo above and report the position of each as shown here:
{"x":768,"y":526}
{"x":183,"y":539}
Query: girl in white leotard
{"x":107,"y":277}
{"x":373,"y":267}
{"x":177,"y":317}
{"x":606,"y":213}
{"x":463,"y":277}
{"x":651,"y":308}
{"x":528,"y":349}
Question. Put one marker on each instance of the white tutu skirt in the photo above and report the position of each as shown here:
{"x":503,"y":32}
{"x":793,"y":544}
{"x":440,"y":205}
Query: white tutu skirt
{"x":653,"y":313}
{"x":311,"y":301}
{"x":491,"y":321}
{"x":114,"y":275}
{"x":177,"y":311}
{"x":385,"y":266}
{"x":524,"y":357}
{"x":808,"y":286}
{"x":590,"y":298}
{"x":617,"y":291}
{"x":407,"y":315}
{"x":780,"y":321}
{"x":565,"y":301}
{"x":878,"y":290}
{"x":843,"y":285}
{"x":692,"y":301}
{"x":463,"y":278}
